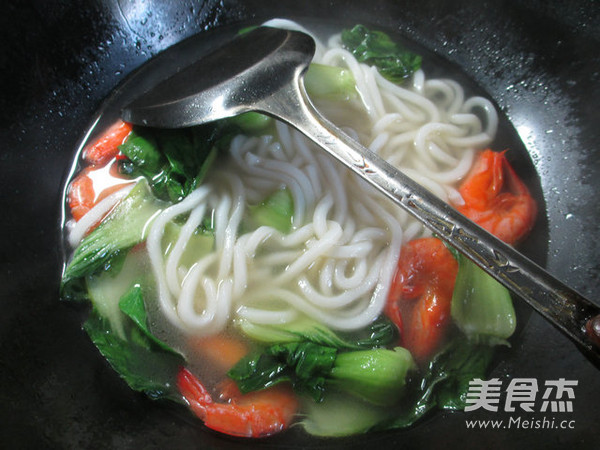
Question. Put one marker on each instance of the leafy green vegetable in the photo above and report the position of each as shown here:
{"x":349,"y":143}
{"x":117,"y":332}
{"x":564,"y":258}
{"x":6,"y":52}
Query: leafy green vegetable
{"x":303,"y":363}
{"x":330,"y":82}
{"x":276,"y":211}
{"x":444,"y":384}
{"x":380,"y":333}
{"x":375,"y":375}
{"x":303,"y":329}
{"x":132,"y":305}
{"x":481,"y":307}
{"x":252,"y":122}
{"x":175,"y":162}
{"x":377,"y":49}
{"x":142,"y":150}
{"x":201,"y":242}
{"x":74,"y":290}
{"x":145,"y":363}
{"x":341,"y":415}
{"x":123,"y":228}
{"x":106,"y":289}
{"x":453,"y":368}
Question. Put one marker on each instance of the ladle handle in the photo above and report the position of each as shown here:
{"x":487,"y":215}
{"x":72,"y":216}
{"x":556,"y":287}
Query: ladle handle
{"x":572,"y":313}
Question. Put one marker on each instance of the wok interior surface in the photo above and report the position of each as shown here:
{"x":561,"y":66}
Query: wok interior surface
{"x":536,"y":60}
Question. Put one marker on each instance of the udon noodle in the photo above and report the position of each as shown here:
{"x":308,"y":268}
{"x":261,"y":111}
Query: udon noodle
{"x":337,"y":263}
{"x":238,"y":268}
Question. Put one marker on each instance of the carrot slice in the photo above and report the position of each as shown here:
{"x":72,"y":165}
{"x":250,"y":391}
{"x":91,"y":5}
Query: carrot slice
{"x":222,"y":351}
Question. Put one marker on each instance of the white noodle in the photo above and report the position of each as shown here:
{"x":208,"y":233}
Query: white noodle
{"x":94,"y":215}
{"x":337,"y":262}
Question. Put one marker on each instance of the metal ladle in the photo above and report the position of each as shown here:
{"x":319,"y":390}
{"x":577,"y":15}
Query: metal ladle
{"x":263,"y":71}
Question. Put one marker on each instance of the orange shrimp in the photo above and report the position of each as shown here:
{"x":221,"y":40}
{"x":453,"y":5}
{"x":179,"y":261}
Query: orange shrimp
{"x":81,"y":195}
{"x":256,"y":414}
{"x":106,"y":147}
{"x":421,"y":293}
{"x":91,"y":186}
{"x":496,"y":199}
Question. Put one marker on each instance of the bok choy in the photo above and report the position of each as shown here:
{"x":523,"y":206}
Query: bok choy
{"x":375,"y":375}
{"x":376,"y":48}
{"x":481,"y":307}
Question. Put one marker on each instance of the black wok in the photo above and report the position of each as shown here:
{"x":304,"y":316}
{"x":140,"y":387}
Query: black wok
{"x":537,"y":60}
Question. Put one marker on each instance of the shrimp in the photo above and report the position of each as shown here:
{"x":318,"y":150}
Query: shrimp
{"x":92,"y":185}
{"x":421,"y":294}
{"x":106,"y":147}
{"x":496,"y":199}
{"x":99,"y":179}
{"x":81,"y":195}
{"x":256,"y":414}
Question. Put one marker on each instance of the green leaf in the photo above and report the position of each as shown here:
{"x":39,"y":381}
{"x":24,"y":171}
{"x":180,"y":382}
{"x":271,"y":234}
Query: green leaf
{"x":457,"y":371}
{"x":123,"y":228}
{"x":74,"y":290}
{"x":143,"y":152}
{"x":144,"y":366}
{"x":197,"y":180}
{"x":304,"y":364}
{"x":106,"y":289}
{"x":132,"y":305}
{"x":380,"y":333}
{"x":376,"y":48}
{"x":445,"y":383}
{"x":302,"y":329}
{"x":175,"y":162}
{"x":375,"y":375}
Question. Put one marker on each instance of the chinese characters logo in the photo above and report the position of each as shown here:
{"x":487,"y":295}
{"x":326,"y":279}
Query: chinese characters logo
{"x":521,"y":393}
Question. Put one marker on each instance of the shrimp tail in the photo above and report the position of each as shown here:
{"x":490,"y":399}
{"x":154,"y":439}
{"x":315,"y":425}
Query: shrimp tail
{"x":194,"y":392}
{"x":257,"y":414}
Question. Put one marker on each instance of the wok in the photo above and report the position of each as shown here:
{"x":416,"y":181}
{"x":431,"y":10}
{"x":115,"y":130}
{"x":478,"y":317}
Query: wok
{"x":536,"y":60}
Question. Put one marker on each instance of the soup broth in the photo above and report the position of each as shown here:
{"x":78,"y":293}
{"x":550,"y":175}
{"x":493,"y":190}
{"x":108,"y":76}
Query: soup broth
{"x":238,"y":269}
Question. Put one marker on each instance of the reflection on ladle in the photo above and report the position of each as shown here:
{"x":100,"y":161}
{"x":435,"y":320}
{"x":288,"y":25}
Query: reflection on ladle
{"x":263,"y":71}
